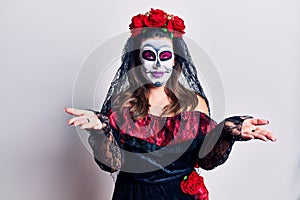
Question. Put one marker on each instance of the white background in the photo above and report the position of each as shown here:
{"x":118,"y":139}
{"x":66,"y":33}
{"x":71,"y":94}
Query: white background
{"x":255,"y":46}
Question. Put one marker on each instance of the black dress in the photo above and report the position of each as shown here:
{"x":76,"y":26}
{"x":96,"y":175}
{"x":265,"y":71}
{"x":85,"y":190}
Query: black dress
{"x":153,"y":154}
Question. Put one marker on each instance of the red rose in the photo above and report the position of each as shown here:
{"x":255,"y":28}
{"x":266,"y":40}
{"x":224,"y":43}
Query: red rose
{"x":176,"y":24}
{"x":156,"y":18}
{"x":137,"y":21}
{"x":194,"y":185}
{"x":170,"y":25}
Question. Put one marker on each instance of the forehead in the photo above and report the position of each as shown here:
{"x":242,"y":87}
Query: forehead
{"x":157,"y":43}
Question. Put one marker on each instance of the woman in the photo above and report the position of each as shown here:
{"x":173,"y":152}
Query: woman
{"x":155,"y":126}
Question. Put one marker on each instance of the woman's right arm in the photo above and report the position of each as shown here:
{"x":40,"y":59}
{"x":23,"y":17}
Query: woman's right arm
{"x":106,"y":151}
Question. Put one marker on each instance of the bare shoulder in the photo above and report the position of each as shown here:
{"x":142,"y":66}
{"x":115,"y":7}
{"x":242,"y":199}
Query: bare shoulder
{"x":202,"y":106}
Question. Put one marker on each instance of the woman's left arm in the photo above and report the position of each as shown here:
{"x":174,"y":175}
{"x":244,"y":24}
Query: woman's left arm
{"x":220,"y":138}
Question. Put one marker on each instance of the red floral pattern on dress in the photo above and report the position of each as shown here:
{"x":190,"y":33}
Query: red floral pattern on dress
{"x":162,"y":131}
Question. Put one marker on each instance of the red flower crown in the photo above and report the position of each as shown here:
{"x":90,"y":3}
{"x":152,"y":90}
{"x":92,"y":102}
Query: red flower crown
{"x":157,"y":18}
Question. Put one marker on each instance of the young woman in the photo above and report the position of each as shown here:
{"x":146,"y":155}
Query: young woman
{"x":154,"y":126}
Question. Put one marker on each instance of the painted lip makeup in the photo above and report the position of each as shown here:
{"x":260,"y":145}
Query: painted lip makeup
{"x":157,"y":74}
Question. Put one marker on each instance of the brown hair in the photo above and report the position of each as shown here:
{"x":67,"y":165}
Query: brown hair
{"x":136,"y":96}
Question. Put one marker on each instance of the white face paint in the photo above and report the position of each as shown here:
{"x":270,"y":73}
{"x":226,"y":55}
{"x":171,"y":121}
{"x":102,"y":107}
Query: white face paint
{"x":157,"y":58}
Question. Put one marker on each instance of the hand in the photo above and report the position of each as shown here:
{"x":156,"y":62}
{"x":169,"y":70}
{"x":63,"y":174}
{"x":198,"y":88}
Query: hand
{"x":85,"y":119}
{"x":251,"y":130}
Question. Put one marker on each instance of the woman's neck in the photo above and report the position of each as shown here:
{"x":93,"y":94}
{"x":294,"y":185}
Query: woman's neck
{"x":158,"y":96}
{"x":157,"y":90}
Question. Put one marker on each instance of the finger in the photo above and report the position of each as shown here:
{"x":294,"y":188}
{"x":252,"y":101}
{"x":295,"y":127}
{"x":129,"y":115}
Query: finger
{"x":88,"y":125}
{"x":267,"y":134}
{"x":81,"y":122}
{"x":259,"y":136}
{"x":93,"y":125}
{"x":69,"y":110}
{"x":270,"y":136}
{"x":256,"y":121}
{"x":260,"y":133}
{"x":76,"y":112}
{"x":98,"y":125}
{"x":72,"y":120}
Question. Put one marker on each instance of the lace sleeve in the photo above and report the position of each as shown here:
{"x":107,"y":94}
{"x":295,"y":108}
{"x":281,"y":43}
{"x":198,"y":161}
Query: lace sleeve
{"x":107,"y":153}
{"x":219,"y":141}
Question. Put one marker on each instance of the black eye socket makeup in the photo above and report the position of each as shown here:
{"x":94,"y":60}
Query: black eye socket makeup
{"x":149,"y":55}
{"x":165,"y":55}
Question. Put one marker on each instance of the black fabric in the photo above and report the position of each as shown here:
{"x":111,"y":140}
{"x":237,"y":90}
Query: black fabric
{"x":163,"y":183}
{"x":209,"y":148}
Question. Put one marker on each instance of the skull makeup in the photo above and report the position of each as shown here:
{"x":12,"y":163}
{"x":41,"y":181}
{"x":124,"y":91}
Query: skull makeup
{"x":157,"y":58}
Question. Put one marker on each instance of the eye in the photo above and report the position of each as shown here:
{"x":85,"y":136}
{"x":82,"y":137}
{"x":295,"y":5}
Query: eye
{"x":149,"y":55}
{"x":165,"y":55}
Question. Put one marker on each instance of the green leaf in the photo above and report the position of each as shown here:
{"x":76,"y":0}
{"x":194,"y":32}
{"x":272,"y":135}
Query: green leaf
{"x":164,"y":29}
{"x":172,"y":35}
{"x":144,"y":31}
{"x":185,"y":177}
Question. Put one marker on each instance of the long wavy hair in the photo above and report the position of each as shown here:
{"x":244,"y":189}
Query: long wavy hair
{"x":136,"y":95}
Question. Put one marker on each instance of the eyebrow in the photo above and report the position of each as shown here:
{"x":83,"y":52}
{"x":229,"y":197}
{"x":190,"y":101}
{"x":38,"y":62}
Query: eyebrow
{"x":150,"y":45}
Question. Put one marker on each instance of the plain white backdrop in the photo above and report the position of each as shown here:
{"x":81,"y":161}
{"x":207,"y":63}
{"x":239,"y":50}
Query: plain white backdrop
{"x":255,"y":46}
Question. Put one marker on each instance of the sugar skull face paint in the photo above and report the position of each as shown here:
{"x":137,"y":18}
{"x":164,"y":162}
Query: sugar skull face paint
{"x":157,"y":58}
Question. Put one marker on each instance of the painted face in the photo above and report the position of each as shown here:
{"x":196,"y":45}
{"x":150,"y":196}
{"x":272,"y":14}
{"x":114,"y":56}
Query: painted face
{"x":157,"y":58}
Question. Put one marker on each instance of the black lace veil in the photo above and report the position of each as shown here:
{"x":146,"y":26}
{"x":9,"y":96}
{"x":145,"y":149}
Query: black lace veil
{"x":188,"y":75}
{"x":108,"y":151}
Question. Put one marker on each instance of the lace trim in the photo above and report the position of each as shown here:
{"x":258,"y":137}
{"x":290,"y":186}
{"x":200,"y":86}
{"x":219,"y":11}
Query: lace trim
{"x":107,"y":153}
{"x":216,"y":155}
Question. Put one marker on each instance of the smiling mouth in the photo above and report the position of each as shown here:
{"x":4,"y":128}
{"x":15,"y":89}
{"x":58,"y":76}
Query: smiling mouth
{"x":157,"y":74}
